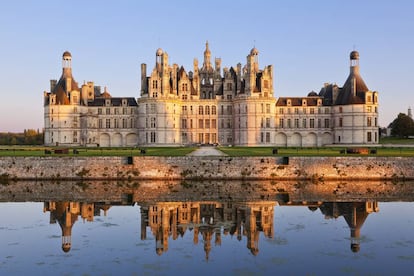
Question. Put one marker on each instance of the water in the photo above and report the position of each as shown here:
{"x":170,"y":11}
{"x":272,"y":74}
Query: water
{"x":370,"y":236}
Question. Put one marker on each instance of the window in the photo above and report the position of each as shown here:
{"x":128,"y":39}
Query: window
{"x":267,"y":108}
{"x":312,"y":111}
{"x":153,"y":108}
{"x":262,"y":108}
{"x":116,"y":111}
{"x":296,"y":123}
{"x":229,"y":86}
{"x":200,"y":110}
{"x":261,"y":137}
{"x":207,"y":123}
{"x":267,"y":122}
{"x":213,"y":110}
{"x":229,"y":110}
{"x":153,"y":137}
{"x":153,"y":122}
{"x":200,"y":123}
{"x":340,"y":109}
{"x":326,"y":110}
{"x":229,"y":97}
{"x":207,"y":110}
{"x":184,"y":109}
{"x":312,"y":123}
{"x":124,"y":123}
{"x":326,"y":123}
{"x":184,"y":123}
{"x":375,"y":122}
{"x":108,"y":111}
{"x":281,"y":123}
{"x":304,"y":123}
{"x":228,"y":123}
{"x":154,"y":84}
{"x":369,"y":136}
{"x":281,"y":111}
{"x":116,"y":125}
{"x":369,"y":121}
{"x":184,"y":97}
{"x":191,"y":123}
{"x":100,"y":123}
{"x":213,"y":123}
{"x":185,"y":87}
{"x":124,"y":110}
{"x":369,"y":109}
{"x":340,"y":122}
{"x":319,"y":123}
{"x":266,"y":84}
{"x":289,"y":124}
{"x":108,"y":123}
{"x":99,"y":111}
{"x":267,"y":137}
{"x":296,"y":110}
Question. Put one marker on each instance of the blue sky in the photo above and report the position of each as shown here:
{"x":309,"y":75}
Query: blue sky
{"x":307,"y":42}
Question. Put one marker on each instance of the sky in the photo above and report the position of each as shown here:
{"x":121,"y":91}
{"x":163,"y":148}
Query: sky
{"x":307,"y":42}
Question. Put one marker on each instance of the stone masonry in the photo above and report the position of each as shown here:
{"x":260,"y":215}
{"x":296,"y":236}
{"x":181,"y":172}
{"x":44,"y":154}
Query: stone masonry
{"x":206,"y":168}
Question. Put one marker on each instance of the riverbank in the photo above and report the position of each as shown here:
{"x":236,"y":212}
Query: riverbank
{"x":206,"y":168}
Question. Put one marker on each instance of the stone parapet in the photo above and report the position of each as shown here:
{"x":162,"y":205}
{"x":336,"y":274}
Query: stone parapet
{"x":199,"y":168}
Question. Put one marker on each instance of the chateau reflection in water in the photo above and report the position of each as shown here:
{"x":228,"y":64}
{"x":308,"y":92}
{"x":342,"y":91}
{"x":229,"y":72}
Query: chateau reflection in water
{"x":208,"y":219}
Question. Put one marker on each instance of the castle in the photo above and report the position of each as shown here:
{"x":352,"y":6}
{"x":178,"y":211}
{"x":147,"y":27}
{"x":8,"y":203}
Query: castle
{"x":209,"y":105}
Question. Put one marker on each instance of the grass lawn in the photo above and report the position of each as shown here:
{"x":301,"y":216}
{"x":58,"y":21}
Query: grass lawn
{"x":323,"y":151}
{"x":396,"y":140}
{"x":182,"y":151}
{"x":149,"y":151}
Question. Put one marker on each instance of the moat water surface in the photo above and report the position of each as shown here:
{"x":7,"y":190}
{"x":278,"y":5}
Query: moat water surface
{"x":232,"y":237}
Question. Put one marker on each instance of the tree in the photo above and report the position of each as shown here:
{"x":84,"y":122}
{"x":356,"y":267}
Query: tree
{"x":402,"y":126}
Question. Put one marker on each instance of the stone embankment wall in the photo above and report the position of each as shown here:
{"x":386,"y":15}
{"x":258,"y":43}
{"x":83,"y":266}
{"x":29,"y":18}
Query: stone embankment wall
{"x":137,"y":167}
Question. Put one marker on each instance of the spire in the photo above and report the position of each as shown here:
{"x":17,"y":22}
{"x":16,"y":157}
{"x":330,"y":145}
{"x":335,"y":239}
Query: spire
{"x":207,"y":55}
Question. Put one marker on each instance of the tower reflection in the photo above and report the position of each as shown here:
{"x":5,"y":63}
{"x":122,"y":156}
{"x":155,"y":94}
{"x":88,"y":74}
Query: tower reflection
{"x":66,"y":213}
{"x":208,"y":219}
{"x":354,"y":213}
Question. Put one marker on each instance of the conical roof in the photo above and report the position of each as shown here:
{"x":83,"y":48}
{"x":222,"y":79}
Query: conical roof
{"x":353,"y":91}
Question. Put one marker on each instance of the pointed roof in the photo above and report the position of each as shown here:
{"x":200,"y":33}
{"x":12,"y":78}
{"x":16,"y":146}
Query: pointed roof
{"x":353,"y":91}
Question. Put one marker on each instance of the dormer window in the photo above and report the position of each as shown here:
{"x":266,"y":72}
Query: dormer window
{"x":319,"y":102}
{"x":304,"y":102}
{"x":108,"y":102}
{"x":124,"y":102}
{"x":289,"y":102}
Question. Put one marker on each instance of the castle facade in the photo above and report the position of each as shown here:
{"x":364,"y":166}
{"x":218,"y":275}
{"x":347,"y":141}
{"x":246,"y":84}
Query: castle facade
{"x":210,"y":105}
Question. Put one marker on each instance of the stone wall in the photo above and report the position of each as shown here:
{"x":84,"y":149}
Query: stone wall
{"x":137,"y":167}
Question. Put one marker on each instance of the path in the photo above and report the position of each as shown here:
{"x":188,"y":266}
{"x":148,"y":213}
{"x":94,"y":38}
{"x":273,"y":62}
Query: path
{"x":207,"y":151}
